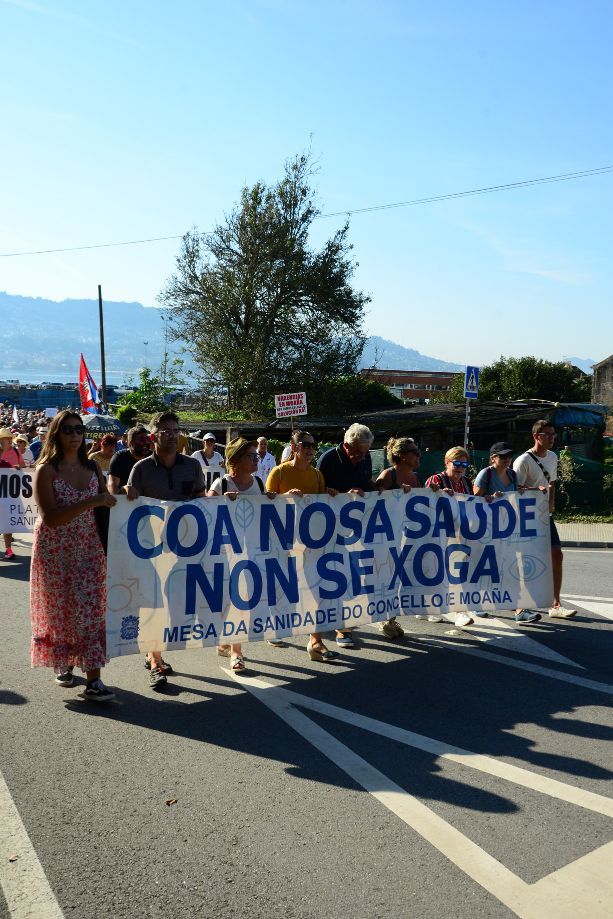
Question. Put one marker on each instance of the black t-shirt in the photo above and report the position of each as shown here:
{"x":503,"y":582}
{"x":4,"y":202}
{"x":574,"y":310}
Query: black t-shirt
{"x":340,"y":473}
{"x":121,"y":466}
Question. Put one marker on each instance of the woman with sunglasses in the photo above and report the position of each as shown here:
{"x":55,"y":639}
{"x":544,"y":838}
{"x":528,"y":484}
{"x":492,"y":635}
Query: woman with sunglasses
{"x":453,"y":481}
{"x":67,"y":585}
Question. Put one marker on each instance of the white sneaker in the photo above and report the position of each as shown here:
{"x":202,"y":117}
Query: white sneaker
{"x":559,"y":612}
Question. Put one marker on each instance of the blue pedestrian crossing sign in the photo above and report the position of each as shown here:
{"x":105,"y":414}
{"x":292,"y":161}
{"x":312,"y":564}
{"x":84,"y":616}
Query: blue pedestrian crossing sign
{"x":471,"y":383}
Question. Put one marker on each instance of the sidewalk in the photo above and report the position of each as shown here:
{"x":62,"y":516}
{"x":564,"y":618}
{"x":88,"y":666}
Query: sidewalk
{"x":586,"y":535}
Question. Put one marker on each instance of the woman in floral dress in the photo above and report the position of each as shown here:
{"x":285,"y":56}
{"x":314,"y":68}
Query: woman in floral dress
{"x":67,"y":588}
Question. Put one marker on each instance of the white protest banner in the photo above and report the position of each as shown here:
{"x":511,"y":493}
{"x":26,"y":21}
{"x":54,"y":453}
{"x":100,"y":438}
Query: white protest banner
{"x":51,"y":412}
{"x":18,"y":510}
{"x":289,"y":404}
{"x":214,"y":570}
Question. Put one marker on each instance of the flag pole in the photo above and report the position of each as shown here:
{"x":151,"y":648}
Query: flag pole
{"x":102,"y":362}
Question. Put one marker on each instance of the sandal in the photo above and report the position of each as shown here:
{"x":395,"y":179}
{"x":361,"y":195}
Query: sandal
{"x":223,"y":651}
{"x":162,"y":666}
{"x":238,"y":663}
{"x":318,"y":652}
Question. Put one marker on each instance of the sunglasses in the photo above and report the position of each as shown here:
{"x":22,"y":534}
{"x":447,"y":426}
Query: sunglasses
{"x":461,"y":464}
{"x":69,"y":429}
{"x":252,"y":456}
{"x":306,"y":444}
{"x":170,"y":432}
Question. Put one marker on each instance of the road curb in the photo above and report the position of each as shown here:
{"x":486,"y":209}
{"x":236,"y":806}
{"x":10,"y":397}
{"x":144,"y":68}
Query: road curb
{"x":583,"y":544}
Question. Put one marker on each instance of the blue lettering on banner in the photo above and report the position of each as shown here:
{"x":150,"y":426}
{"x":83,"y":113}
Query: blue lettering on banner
{"x":224,"y":533}
{"x":399,"y":569}
{"x":358,"y":571}
{"x":304,"y":525}
{"x":416,"y":516}
{"x":138,"y":514}
{"x":379,"y":522}
{"x":327,"y":573}
{"x":172,"y":531}
{"x":440,"y":553}
{"x":527,"y":513}
{"x":283,"y":530}
{"x":499,"y":531}
{"x":348,"y":521}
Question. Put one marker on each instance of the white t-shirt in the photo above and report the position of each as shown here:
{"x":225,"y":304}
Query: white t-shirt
{"x":254,"y":488}
{"x":213,"y":468}
{"x":265,"y":464}
{"x":530,"y":473}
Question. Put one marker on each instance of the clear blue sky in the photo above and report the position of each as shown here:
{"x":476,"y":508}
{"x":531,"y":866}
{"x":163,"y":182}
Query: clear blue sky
{"x":137,"y":118}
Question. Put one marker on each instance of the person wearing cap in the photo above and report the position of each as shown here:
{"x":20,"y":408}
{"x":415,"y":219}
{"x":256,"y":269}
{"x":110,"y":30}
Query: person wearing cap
{"x":103,"y":456}
{"x":493,"y":482}
{"x":211,"y":460}
{"x":499,"y":477}
{"x":167,"y":475}
{"x":242,"y":461}
{"x":22,"y":444}
{"x":266,"y":460}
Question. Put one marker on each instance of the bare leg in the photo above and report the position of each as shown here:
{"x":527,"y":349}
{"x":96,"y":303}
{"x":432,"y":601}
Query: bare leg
{"x":556,"y":565}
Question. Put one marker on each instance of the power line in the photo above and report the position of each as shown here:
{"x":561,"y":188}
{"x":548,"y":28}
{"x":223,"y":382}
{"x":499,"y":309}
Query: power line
{"x":490,"y":189}
{"x":564,"y":177}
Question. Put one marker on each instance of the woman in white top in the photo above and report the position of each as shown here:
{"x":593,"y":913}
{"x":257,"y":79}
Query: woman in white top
{"x":210,"y":459}
{"x":242,"y":460}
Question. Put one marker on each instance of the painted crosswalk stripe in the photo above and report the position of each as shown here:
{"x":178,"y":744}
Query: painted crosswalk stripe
{"x":601,"y":606}
{"x":26,"y":889}
{"x":584,"y":887}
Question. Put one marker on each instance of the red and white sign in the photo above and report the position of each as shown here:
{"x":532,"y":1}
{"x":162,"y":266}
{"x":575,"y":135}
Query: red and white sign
{"x":289,"y":404}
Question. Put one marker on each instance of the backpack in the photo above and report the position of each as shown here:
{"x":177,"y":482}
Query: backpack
{"x":224,"y":484}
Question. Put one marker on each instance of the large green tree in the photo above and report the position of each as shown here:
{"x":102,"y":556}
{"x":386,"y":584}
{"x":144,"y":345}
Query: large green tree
{"x":511,"y":378}
{"x":261,"y":309}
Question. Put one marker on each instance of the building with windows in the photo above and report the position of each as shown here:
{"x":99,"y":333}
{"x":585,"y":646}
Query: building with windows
{"x":413,"y":385}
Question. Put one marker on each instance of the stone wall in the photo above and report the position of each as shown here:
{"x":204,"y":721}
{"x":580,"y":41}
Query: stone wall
{"x":602,"y":384}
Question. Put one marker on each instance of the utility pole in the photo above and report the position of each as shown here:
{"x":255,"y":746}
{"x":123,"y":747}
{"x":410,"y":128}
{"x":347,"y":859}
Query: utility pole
{"x":102,"y":360}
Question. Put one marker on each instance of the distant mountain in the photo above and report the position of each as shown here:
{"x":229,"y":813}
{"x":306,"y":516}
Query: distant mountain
{"x":583,"y":363}
{"x":42,"y":339}
{"x":387,"y":355}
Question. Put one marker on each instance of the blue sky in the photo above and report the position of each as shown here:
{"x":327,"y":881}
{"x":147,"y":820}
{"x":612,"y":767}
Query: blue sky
{"x":125,"y":120}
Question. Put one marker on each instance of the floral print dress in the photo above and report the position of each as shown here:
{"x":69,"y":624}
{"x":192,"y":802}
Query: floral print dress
{"x":68,"y":588}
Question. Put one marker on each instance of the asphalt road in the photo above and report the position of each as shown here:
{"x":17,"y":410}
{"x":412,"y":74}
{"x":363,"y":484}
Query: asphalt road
{"x":452,"y":775}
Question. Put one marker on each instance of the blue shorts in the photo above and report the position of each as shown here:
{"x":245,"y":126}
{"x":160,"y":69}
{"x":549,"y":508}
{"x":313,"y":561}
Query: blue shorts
{"x":555,"y":536}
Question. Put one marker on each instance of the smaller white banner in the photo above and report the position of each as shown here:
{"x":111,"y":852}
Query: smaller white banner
{"x":291,"y":403}
{"x":51,"y":412}
{"x":18,"y":510}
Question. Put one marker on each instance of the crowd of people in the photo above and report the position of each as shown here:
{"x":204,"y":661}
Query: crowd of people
{"x":75,"y":487}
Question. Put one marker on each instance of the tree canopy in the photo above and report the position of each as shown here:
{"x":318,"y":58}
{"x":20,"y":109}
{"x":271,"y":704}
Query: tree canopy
{"x":511,"y":378}
{"x":261,"y":311}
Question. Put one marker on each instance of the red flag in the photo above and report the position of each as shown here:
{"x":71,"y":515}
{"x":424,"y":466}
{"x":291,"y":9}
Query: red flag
{"x":87,"y":390}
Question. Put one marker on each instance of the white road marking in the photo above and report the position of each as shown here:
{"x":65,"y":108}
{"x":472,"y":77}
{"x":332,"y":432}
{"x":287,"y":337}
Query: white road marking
{"x":584,"y":887}
{"x":504,"y":635}
{"x":25,"y":887}
{"x":521,"y":665}
{"x":601,"y":606}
